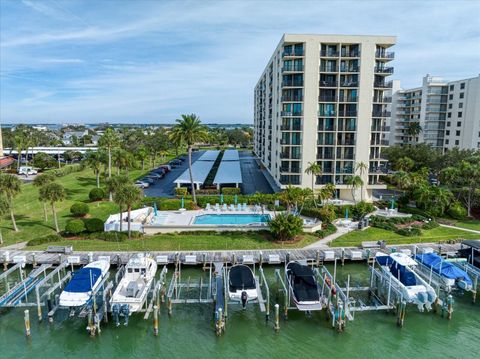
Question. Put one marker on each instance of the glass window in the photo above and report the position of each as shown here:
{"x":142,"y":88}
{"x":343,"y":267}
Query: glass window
{"x":462,"y":85}
{"x":462,"y":94}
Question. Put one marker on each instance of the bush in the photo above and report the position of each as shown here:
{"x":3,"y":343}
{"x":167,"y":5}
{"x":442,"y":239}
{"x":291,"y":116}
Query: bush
{"x":430,"y":225}
{"x":457,"y":211}
{"x":286,"y":226}
{"x":68,"y":169}
{"x":207,"y":191}
{"x":409,"y":232}
{"x":42,"y":161}
{"x":271,"y":207}
{"x":75,"y":226}
{"x":166,"y":204}
{"x":94,"y":225}
{"x":181,"y":191}
{"x":326,"y":231}
{"x":96,"y":194}
{"x":231,"y":190}
{"x":43,"y":240}
{"x":361,"y":209}
{"x":79,"y":209}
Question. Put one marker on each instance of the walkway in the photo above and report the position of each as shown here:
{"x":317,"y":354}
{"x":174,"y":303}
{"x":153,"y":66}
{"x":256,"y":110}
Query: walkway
{"x":460,"y":228}
{"x":324,"y":242}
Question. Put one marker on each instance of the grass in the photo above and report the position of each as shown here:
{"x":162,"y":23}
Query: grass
{"x":376,"y":234}
{"x":187,"y":242}
{"x":29,"y":210}
{"x":468,"y":224}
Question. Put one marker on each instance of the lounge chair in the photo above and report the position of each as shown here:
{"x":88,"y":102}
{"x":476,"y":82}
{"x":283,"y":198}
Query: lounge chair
{"x":224,"y":207}
{"x":217,"y":207}
{"x":239,"y":207}
{"x":207,"y":207}
{"x":232,"y":208}
{"x":244,"y":207}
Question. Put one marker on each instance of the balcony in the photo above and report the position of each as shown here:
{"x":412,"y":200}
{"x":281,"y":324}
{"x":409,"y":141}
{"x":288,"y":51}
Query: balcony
{"x":355,"y":53}
{"x":297,"y":68}
{"x":349,"y":84}
{"x":349,"y":113}
{"x":386,"y":99}
{"x":380,"y":128}
{"x":346,"y":142}
{"x":383,"y":70}
{"x":292,"y":83}
{"x":327,"y":98}
{"x":326,"y":128}
{"x":329,"y":53}
{"x":328,"y":68}
{"x":292,"y":98}
{"x":380,"y":54}
{"x":291,"y":113}
{"x":291,"y":128}
{"x":347,"y":98}
{"x":328,"y":113}
{"x":328,"y":83}
{"x":350,"y":69}
{"x":293,"y":53}
{"x":381,"y":113}
{"x":384,"y":85}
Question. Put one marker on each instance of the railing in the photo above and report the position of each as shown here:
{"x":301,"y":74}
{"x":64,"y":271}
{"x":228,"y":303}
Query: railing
{"x":349,"y":84}
{"x":347,"y":99}
{"x":350,"y":69}
{"x":293,"y":53}
{"x":292,"y":84}
{"x":385,"y":54}
{"x":291,"y":113}
{"x":328,"y":156}
{"x":327,"y":98}
{"x":328,"y":83}
{"x":383,"y":84}
{"x":347,"y":129}
{"x":292,"y":68}
{"x":326,"y":128}
{"x":292,"y":98}
{"x":347,"y":113}
{"x":355,"y":53}
{"x":328,"y":53}
{"x":291,"y":128}
{"x":381,"y":113}
{"x":326,"y":113}
{"x":384,"y":70}
{"x":386,"y":99}
{"x":380,"y":128}
{"x":328,"y":68}
{"x":346,"y":142}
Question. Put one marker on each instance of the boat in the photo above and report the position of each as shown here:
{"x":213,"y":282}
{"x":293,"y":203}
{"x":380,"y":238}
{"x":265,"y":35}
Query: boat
{"x":132,"y":290}
{"x":471,"y":251}
{"x":242,"y":285}
{"x":400,"y":268}
{"x":451,"y":275}
{"x":303,"y":287}
{"x":85,"y":281}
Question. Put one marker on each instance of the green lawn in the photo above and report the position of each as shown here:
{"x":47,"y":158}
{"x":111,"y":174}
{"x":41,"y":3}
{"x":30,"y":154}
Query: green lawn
{"x":375,"y":234}
{"x":186,"y":242}
{"x":469,"y":224}
{"x":29,"y":210}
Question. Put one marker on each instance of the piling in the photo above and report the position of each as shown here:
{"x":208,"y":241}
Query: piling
{"x":260,"y":259}
{"x":219,"y":324}
{"x":90,"y":257}
{"x":155,"y":320}
{"x":401,"y":313}
{"x":26,"y":319}
{"x":34,"y":260}
{"x":474,"y":291}
{"x":343,"y":257}
{"x":317,"y":257}
{"x":91,"y":325}
{"x":449,"y":307}
{"x":169,"y":305}
{"x":276,"y":326}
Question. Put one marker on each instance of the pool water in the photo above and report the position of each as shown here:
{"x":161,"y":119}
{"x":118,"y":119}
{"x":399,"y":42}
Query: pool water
{"x":232,"y":219}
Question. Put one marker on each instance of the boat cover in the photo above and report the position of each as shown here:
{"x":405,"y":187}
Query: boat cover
{"x":405,"y":276}
{"x":241,"y":277}
{"x":445,"y":269}
{"x":83,"y":280}
{"x":303,"y":282}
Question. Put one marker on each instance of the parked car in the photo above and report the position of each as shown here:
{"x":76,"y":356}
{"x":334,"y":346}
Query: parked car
{"x":155,"y":176}
{"x":27,"y":171}
{"x":166,"y":168}
{"x":148,"y":180}
{"x":175,"y":163}
{"x":159,"y":171}
{"x":142,"y":184}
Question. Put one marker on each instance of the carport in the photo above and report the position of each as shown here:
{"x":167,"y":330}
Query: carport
{"x":228,"y":173}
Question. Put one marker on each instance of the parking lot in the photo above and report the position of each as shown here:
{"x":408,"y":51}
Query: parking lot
{"x":253,"y":178}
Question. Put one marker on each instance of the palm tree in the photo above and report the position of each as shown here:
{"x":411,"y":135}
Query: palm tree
{"x":119,"y":199}
{"x":402,"y":179}
{"x":94,"y":160}
{"x":315,"y":170}
{"x":413,"y":129}
{"x":354,"y":182}
{"x":362,"y":167}
{"x":116,"y":182}
{"x":142,"y":155}
{"x":189,"y":130}
{"x":108,"y":141}
{"x":10,"y":186}
{"x":129,"y":195}
{"x":4,"y":209}
{"x":326,"y":192}
{"x":41,"y":181}
{"x":53,"y":192}
{"x":405,"y":164}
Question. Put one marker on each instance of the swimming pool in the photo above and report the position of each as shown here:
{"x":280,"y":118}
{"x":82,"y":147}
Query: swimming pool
{"x":232,"y":219}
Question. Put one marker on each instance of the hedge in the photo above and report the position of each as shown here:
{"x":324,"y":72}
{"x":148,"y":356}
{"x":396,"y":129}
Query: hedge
{"x":68,"y":169}
{"x":326,"y":231}
{"x":94,"y":225}
{"x":75,"y":226}
{"x":96,"y":194}
{"x":231,"y":191}
{"x":79,"y":209}
{"x":42,"y":240}
{"x":167,"y":204}
{"x":181,"y":191}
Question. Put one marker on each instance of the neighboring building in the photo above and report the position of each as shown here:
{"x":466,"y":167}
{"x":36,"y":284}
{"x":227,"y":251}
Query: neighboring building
{"x":440,"y":113}
{"x":4,"y":161}
{"x":323,"y":98}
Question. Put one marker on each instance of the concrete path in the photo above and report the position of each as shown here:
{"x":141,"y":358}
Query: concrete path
{"x":460,"y":228}
{"x":323,"y":243}
{"x":16,"y":246}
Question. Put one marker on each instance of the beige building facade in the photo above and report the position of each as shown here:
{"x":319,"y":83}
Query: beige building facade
{"x":323,"y":99}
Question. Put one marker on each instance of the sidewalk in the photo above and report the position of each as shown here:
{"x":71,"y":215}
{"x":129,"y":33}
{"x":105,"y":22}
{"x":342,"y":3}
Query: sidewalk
{"x":460,"y":228}
{"x":323,"y":243}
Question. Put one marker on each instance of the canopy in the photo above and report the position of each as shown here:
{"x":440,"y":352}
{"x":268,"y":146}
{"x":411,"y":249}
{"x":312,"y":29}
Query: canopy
{"x":228,"y":172}
{"x":445,"y":269}
{"x":403,"y":259}
{"x":230,"y":155}
{"x":209,"y":155}
{"x":303,"y":282}
{"x":241,"y":277}
{"x":200,"y":171}
{"x":83,"y":280}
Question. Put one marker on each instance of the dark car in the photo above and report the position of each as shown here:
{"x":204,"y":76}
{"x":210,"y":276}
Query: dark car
{"x":148,"y":180}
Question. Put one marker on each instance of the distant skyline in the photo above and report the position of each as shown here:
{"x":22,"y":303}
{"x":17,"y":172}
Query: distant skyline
{"x":150,"y":61}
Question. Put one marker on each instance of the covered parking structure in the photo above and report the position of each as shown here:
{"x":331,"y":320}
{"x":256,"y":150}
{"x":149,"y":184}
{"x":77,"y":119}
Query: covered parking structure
{"x":200,"y":170}
{"x":230,"y":155}
{"x":210,"y":155}
{"x":229,"y":173}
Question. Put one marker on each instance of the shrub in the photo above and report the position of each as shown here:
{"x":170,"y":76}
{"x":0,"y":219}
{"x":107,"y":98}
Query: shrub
{"x":110,"y":236}
{"x":96,"y":194}
{"x":207,"y":191}
{"x":45,"y":239}
{"x":457,"y":211}
{"x":271,"y":207}
{"x":79,"y":209}
{"x":231,"y":190}
{"x":361,"y":209}
{"x":286,"y":226}
{"x":94,"y":225}
{"x":75,"y":226}
{"x":326,"y":231}
{"x":327,"y":214}
{"x":430,"y":225}
{"x":181,"y":191}
{"x":68,"y":169}
{"x":409,"y":232}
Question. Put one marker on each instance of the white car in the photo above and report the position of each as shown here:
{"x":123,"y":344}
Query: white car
{"x":27,"y":171}
{"x":142,"y":184}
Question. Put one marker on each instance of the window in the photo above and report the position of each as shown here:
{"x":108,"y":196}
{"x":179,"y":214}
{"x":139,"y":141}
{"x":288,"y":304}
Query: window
{"x":450,"y":106}
{"x":457,"y":133}
{"x":452,"y":87}
{"x":446,"y":142}
{"x":447,"y":133}
{"x":449,"y":115}
{"x":459,"y":124}
{"x":460,"y":105}
{"x":448,"y":124}
{"x":457,"y":142}
{"x":450,"y":97}
{"x":462,"y":86}
{"x":462,"y":94}
{"x":459,"y":114}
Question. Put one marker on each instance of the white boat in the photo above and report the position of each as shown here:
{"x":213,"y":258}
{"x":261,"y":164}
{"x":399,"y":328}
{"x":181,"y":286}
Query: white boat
{"x":132,"y":291}
{"x":303,"y":286}
{"x":242,"y":285}
{"x":401,"y":270}
{"x":78,"y":291}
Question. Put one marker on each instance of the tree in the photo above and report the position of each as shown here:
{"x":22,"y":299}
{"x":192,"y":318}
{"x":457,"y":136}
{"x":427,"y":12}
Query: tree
{"x":94,"y":160}
{"x":109,"y":141}
{"x":189,"y":130}
{"x":354,"y":182}
{"x":362,"y":167}
{"x":433,"y":199}
{"x":10,"y":186}
{"x":39,"y":182}
{"x":315,"y":170}
{"x":465,"y":180}
{"x":295,"y":196}
{"x":42,"y":160}
{"x":129,"y":195}
{"x":326,"y":192}
{"x":286,"y":226}
{"x":4,"y":209}
{"x":120,"y":200}
{"x":413,"y":129}
{"x":52,"y":193}
{"x":404,"y":164}
{"x":116,"y":182}
{"x":142,"y":155}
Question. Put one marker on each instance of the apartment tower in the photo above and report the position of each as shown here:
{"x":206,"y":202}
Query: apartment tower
{"x":323,"y":98}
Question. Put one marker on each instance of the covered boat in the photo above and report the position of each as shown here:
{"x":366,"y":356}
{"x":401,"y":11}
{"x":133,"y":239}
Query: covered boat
{"x":450,"y":274}
{"x":303,"y":286}
{"x":132,"y":291}
{"x":78,"y":291}
{"x":242,"y":285}
{"x":400,"y":268}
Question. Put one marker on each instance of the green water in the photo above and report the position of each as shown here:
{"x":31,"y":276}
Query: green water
{"x":189,"y":334}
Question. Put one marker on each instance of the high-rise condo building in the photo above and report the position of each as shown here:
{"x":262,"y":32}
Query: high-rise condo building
{"x":439,"y":113}
{"x":324,"y":99}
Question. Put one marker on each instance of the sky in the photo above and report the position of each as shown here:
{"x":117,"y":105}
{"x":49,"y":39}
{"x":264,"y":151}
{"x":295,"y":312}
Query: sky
{"x":150,"y":61}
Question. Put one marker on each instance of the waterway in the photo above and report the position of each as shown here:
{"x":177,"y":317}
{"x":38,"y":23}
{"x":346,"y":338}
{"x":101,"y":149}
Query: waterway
{"x":189,"y":334}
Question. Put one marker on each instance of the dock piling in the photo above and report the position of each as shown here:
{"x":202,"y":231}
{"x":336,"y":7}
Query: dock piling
{"x":277,"y":318}
{"x":26,"y":319}
{"x":155,"y":320}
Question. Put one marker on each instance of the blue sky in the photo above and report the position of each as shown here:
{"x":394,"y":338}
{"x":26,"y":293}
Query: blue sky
{"x":150,"y":61}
